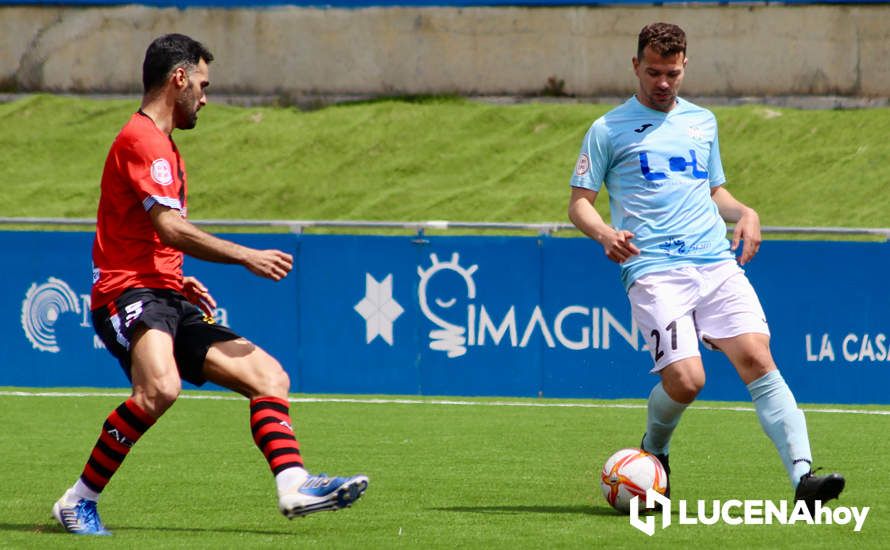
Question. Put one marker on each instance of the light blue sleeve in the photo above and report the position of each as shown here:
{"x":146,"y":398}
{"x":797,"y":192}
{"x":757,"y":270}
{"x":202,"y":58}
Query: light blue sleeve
{"x":715,"y":165}
{"x":595,"y":158}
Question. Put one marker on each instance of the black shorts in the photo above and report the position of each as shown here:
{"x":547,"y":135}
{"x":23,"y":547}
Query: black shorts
{"x":165,"y":310}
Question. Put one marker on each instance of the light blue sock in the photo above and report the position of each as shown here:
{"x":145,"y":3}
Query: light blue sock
{"x":664,"y":414}
{"x":783,"y":422}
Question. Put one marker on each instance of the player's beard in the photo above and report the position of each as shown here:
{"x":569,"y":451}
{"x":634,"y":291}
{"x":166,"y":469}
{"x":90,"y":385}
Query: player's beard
{"x":185,"y":110}
{"x":664,"y":100}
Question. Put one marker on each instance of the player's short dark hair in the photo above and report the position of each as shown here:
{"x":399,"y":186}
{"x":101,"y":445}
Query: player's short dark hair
{"x":167,"y":53}
{"x":665,"y":39}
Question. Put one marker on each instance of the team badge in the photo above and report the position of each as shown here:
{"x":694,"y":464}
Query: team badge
{"x":696,"y":133}
{"x":161,"y":172}
{"x":583,"y":165}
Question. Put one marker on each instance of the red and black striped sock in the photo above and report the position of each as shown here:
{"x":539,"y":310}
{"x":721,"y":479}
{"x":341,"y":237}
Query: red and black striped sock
{"x":271,"y":427}
{"x":123,"y":427}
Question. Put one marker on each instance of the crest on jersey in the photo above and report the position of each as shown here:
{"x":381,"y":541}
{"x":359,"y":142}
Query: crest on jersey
{"x":583,"y":165}
{"x":696,"y":133}
{"x":161,"y":172}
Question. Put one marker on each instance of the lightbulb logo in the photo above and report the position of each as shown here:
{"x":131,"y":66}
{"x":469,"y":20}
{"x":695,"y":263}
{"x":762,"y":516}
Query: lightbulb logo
{"x":42,"y":307}
{"x":444,"y":309}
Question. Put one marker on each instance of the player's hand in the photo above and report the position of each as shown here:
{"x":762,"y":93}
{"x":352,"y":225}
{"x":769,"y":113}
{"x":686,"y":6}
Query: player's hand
{"x":618,"y":247}
{"x":747,"y":230}
{"x":271,"y":264}
{"x":197,"y":293}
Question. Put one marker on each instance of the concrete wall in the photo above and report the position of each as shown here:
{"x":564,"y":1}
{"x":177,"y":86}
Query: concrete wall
{"x":764,"y":50}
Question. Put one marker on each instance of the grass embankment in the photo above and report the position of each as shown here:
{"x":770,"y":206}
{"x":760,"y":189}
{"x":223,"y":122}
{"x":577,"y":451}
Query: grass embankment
{"x":445,"y":159}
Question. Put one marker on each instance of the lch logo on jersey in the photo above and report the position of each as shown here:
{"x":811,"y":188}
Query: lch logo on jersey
{"x":41,"y":309}
{"x":447,"y":297}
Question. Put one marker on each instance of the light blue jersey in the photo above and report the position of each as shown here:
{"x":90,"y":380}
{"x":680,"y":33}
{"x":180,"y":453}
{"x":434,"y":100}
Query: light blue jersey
{"x":659,"y":169}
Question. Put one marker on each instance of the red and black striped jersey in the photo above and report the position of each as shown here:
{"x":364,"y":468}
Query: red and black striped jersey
{"x":143,"y":169}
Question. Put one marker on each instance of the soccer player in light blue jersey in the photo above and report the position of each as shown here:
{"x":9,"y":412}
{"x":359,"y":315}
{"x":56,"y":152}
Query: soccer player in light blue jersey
{"x":659,"y":158}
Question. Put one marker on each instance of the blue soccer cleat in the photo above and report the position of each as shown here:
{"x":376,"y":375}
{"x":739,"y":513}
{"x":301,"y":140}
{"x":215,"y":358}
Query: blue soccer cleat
{"x":78,"y":516}
{"x":320,"y":493}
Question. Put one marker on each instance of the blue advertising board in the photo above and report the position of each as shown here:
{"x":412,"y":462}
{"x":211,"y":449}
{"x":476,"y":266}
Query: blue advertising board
{"x":496,"y":316}
{"x":46,"y":305}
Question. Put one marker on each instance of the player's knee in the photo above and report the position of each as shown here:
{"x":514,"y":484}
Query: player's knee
{"x":280,"y":380}
{"x":755,"y":367}
{"x":686,"y":393}
{"x":683,"y":381}
{"x":754,"y":362}
{"x":168,"y":393}
{"x":158,"y":396}
{"x":684,"y":389}
{"x":272,"y":379}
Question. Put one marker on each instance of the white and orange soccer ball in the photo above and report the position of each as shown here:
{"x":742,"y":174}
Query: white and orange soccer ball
{"x":630,"y":473}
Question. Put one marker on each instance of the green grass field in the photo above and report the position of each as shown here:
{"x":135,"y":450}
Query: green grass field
{"x":472,"y":475}
{"x":438,"y":158}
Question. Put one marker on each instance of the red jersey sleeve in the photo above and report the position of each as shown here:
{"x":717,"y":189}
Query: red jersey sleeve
{"x":155,"y":173}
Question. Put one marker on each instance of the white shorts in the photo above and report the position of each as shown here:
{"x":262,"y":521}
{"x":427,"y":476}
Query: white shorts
{"x":675,"y":309}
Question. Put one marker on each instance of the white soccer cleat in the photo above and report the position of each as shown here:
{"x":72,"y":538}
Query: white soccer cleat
{"x":320,"y":493}
{"x":78,"y":516}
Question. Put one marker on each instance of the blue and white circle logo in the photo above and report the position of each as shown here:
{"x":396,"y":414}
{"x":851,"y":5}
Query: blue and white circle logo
{"x":42,"y":307}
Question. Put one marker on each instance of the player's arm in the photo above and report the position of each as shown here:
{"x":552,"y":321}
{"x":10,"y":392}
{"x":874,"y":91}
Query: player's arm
{"x":746,"y":220}
{"x":182,"y":235}
{"x":616,"y":244}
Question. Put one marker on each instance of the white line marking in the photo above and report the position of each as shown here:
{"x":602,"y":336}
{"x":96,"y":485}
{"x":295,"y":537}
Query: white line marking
{"x":404,"y":401}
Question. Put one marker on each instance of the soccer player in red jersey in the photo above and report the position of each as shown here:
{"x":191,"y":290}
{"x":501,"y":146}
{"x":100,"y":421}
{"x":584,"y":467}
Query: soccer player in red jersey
{"x":157,"y":322}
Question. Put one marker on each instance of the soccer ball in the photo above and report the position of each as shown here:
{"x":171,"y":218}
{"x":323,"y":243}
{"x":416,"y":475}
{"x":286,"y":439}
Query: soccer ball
{"x":629,"y":473}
